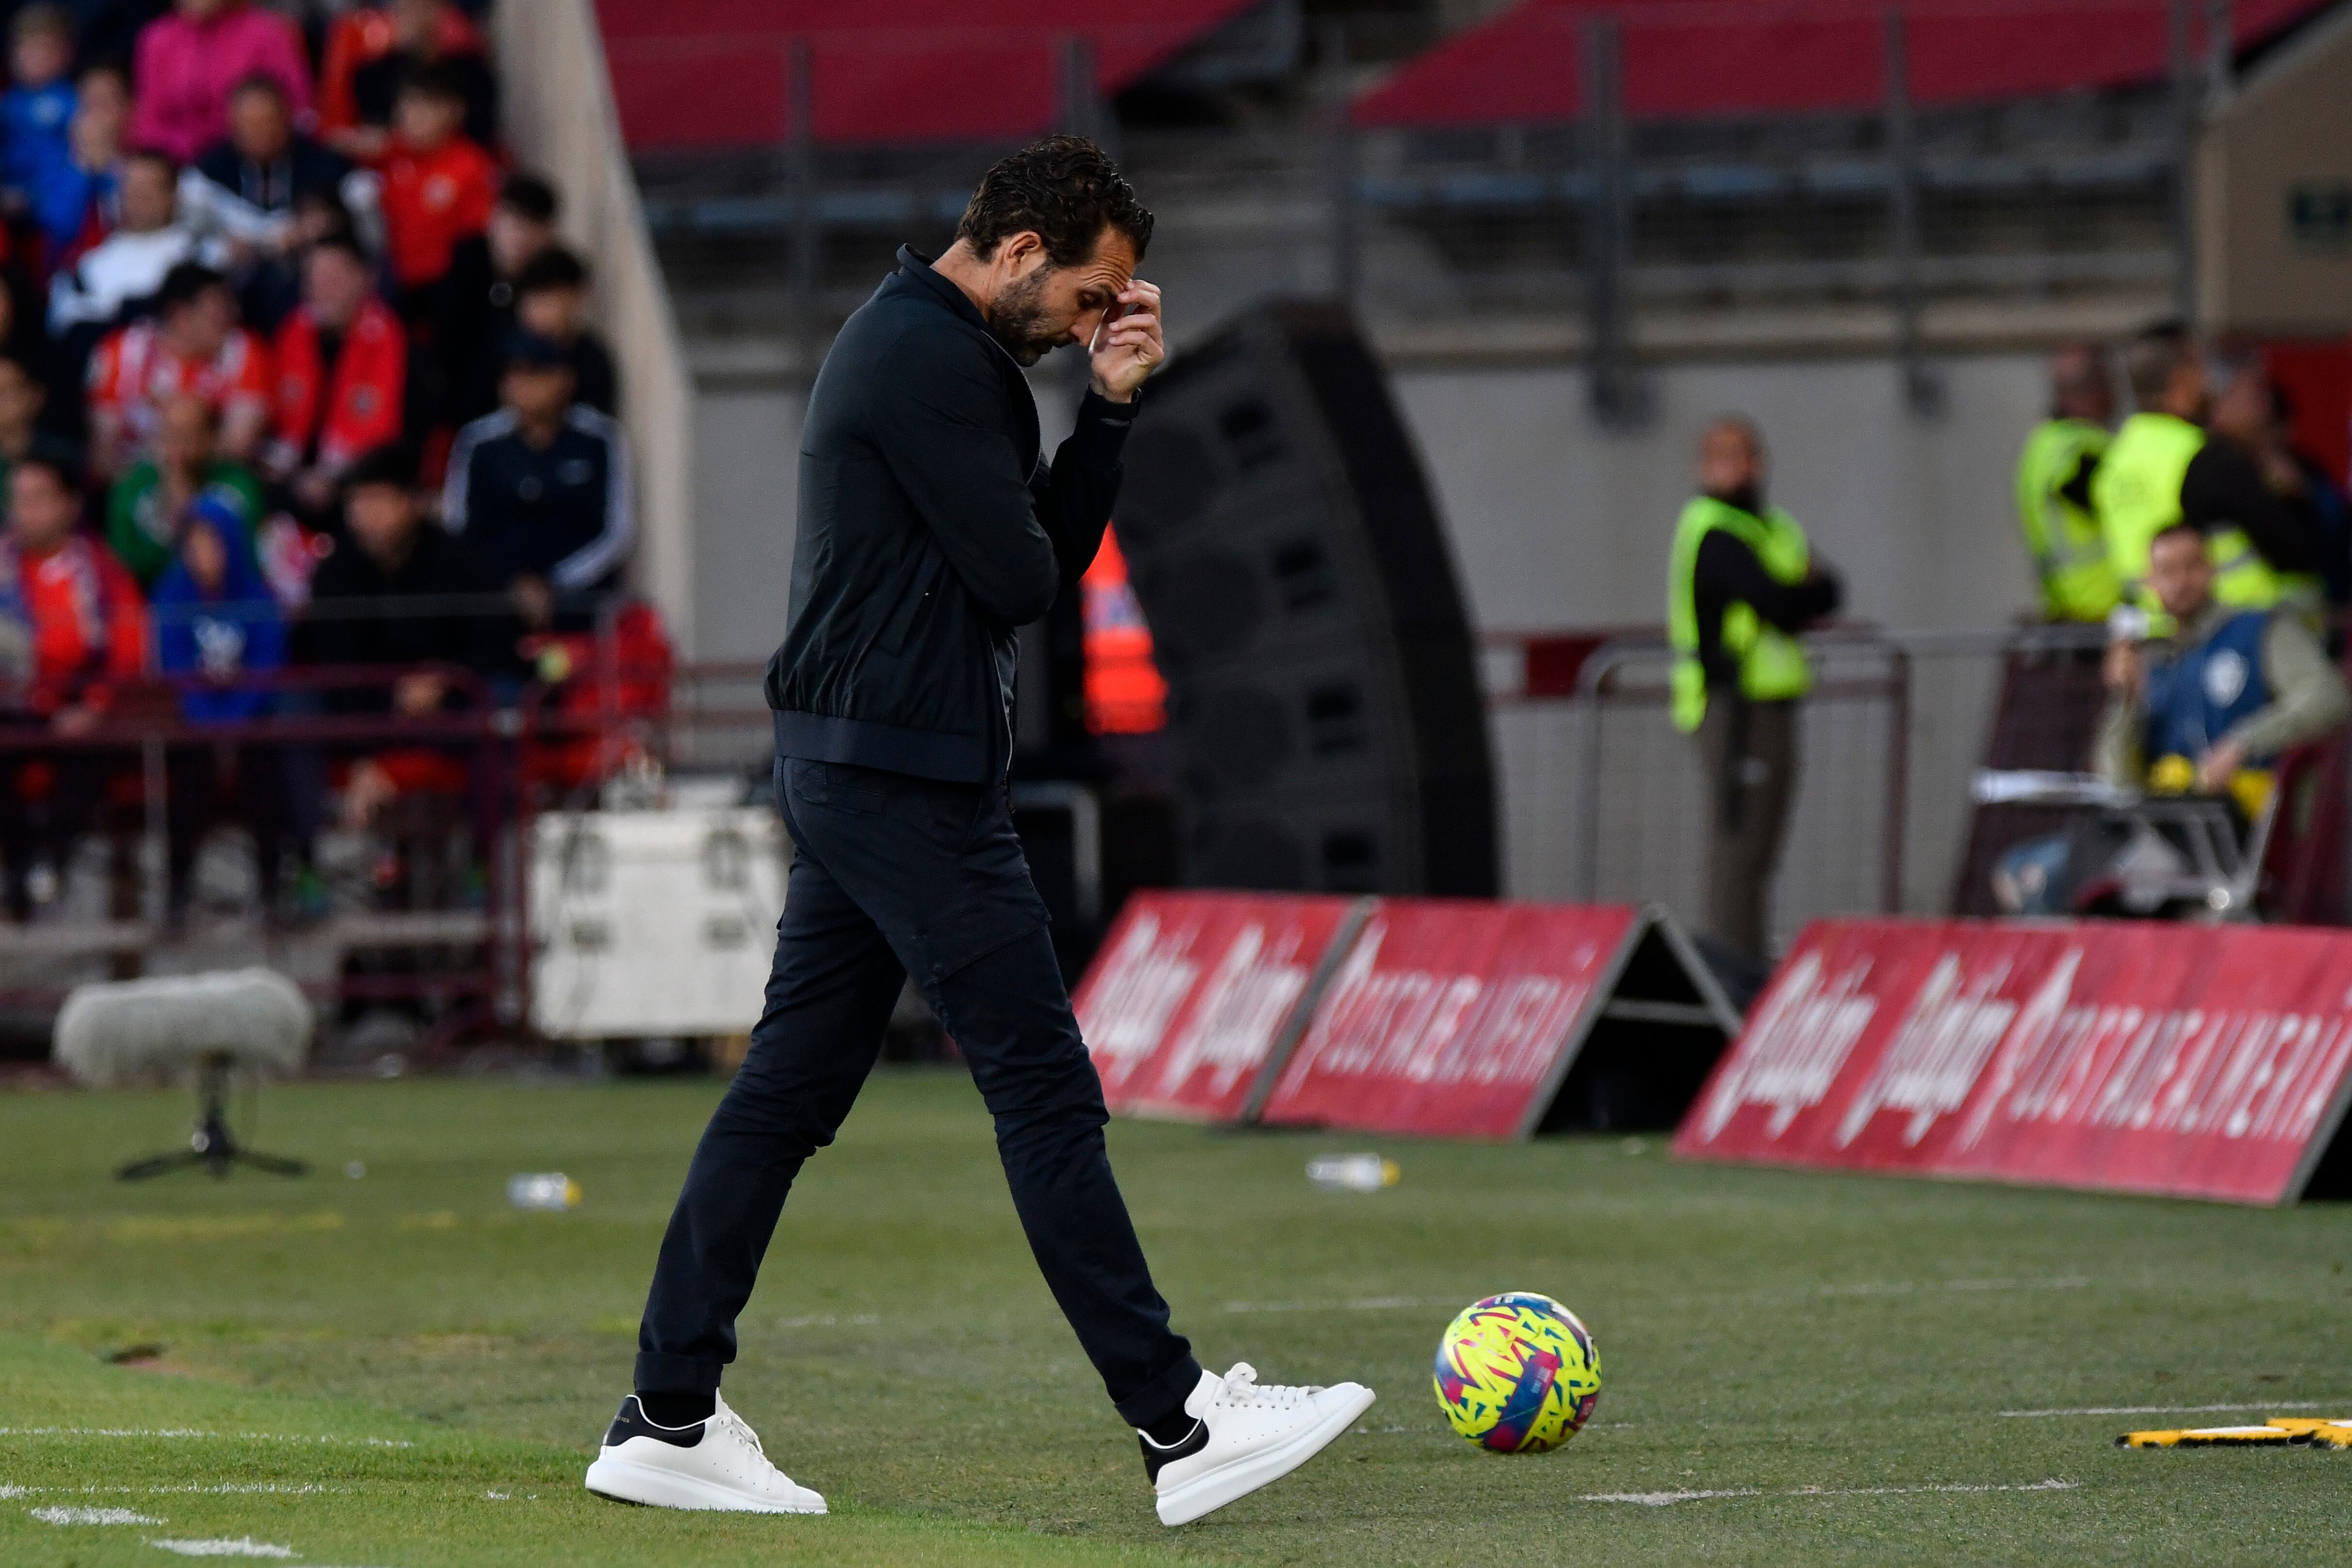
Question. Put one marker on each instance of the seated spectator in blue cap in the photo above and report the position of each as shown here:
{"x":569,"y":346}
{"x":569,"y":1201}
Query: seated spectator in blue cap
{"x":541,"y":489}
{"x":217,"y":622}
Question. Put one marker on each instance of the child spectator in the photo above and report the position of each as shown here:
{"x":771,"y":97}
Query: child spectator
{"x":35,"y":111}
{"x":215,"y":622}
{"x":420,"y":39}
{"x":342,"y":371}
{"x":541,"y":487}
{"x":438,"y":186}
{"x":188,"y":63}
{"x":474,"y":315}
{"x":129,"y":264}
{"x":551,"y":302}
{"x":74,"y":200}
{"x":366,"y":32}
{"x":192,"y":345}
{"x":148,"y":509}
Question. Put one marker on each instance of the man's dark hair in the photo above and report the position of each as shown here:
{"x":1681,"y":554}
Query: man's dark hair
{"x":2177,"y":526}
{"x":261,"y":81}
{"x":155,"y":155}
{"x":1066,"y":190}
{"x":529,"y":197}
{"x":2154,"y":356}
{"x":188,"y":282}
{"x":554,"y":267}
{"x":52,"y":21}
{"x":431,"y":78}
{"x":393,"y":463}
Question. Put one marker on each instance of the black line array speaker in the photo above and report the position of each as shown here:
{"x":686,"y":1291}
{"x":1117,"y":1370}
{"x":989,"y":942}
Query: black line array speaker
{"x":1323,"y":688}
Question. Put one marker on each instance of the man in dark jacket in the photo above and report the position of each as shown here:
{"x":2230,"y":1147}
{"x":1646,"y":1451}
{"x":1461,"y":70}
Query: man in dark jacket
{"x":928,"y":530}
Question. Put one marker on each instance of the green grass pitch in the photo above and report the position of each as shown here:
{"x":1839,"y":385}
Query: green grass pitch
{"x":399,"y":1372}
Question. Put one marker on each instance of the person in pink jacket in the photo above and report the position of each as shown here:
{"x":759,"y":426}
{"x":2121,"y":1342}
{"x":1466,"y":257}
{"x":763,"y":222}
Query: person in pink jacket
{"x":188,"y":64}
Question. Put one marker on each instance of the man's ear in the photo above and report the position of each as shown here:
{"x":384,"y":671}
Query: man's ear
{"x":1020,"y":254}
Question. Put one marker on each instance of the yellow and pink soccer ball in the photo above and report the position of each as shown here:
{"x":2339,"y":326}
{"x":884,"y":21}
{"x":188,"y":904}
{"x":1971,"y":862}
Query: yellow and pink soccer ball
{"x":1517,"y":1373}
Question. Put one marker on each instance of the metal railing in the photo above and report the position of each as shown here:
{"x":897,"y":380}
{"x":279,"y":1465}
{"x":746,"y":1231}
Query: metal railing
{"x":1602,"y":798}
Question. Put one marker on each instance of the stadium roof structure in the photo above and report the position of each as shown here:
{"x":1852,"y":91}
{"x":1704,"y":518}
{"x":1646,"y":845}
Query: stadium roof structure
{"x":1688,"y":59}
{"x":709,"y":74}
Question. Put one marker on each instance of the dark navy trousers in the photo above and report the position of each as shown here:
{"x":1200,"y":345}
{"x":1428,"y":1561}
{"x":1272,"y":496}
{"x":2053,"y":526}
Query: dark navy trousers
{"x":896,"y":876}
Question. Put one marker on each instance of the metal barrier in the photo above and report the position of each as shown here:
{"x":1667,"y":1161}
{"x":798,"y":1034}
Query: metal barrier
{"x":1604,"y":800}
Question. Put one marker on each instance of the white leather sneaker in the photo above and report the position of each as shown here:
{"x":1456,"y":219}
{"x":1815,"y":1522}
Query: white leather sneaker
{"x":714,"y":1464}
{"x":1247,"y":1436}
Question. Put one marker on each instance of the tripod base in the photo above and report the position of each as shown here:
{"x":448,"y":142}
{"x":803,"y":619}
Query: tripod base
{"x":212,"y":1144}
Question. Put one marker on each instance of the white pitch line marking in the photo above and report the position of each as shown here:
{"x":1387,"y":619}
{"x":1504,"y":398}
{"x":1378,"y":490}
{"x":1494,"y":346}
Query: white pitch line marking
{"x":1665,"y":1499}
{"x":243,"y":1546}
{"x":1865,"y":1288}
{"x":2180,"y":1410}
{"x":93,"y":1516}
{"x":176,"y":1432}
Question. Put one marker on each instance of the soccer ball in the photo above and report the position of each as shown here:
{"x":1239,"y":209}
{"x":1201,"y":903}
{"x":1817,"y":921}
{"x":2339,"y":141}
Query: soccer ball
{"x":1517,"y":1373}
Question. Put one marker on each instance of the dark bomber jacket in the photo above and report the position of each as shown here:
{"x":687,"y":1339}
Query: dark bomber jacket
{"x":928,"y":530}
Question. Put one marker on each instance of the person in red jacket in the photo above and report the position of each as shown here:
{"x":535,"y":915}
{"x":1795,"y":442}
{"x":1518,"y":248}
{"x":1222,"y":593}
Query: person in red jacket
{"x":342,"y":374}
{"x":77,"y":613}
{"x":438,"y":184}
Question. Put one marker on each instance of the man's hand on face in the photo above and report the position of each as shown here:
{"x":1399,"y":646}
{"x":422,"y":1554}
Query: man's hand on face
{"x":1129,"y":349}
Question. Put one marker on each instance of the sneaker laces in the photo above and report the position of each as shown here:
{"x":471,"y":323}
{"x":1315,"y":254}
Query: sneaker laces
{"x":1242,"y":1387}
{"x":740,"y":1427}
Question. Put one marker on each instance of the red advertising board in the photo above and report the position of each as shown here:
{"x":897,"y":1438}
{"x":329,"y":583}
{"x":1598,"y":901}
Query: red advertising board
{"x":1193,"y":992}
{"x":1453,"y":1017}
{"x":2198,"y":1060}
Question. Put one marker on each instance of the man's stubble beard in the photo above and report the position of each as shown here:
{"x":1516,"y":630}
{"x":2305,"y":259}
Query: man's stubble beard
{"x":1016,"y":320}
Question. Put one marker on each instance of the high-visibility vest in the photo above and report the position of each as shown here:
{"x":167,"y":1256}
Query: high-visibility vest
{"x":2068,"y":551}
{"x":2136,"y":493}
{"x":1772,"y":665}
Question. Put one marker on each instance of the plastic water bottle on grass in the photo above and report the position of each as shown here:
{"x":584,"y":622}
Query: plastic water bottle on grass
{"x":543,"y":1189}
{"x":1352,"y":1173}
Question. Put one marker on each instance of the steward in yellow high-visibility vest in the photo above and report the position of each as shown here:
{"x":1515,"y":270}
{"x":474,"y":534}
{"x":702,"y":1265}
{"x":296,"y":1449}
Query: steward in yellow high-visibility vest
{"x":1741,"y":584}
{"x":2061,"y":532}
{"x":2053,"y":489}
{"x":2161,"y":469}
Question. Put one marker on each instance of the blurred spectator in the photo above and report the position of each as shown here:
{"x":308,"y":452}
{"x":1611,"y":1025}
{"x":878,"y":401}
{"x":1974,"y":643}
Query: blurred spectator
{"x":366,"y":32}
{"x":79,"y":612}
{"x":541,"y":487}
{"x":2320,"y":491}
{"x":475,"y":313}
{"x":2053,"y":489}
{"x":192,"y":345}
{"x":2243,"y":489}
{"x":2221,"y":698}
{"x":250,"y":182}
{"x":551,"y":302}
{"x":148,"y":509}
{"x":438,"y":186}
{"x":397,"y":592}
{"x":22,"y":397}
{"x":82,"y":607}
{"x":343,"y":369}
{"x":38,"y":109}
{"x":390,"y":553}
{"x":423,"y":37}
{"x":188,"y":64}
{"x":215,"y":622}
{"x":75,"y":199}
{"x":129,"y":265}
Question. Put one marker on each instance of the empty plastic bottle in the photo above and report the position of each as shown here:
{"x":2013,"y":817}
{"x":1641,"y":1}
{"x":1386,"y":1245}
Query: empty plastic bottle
{"x":1352,"y":1173}
{"x":543,"y":1189}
